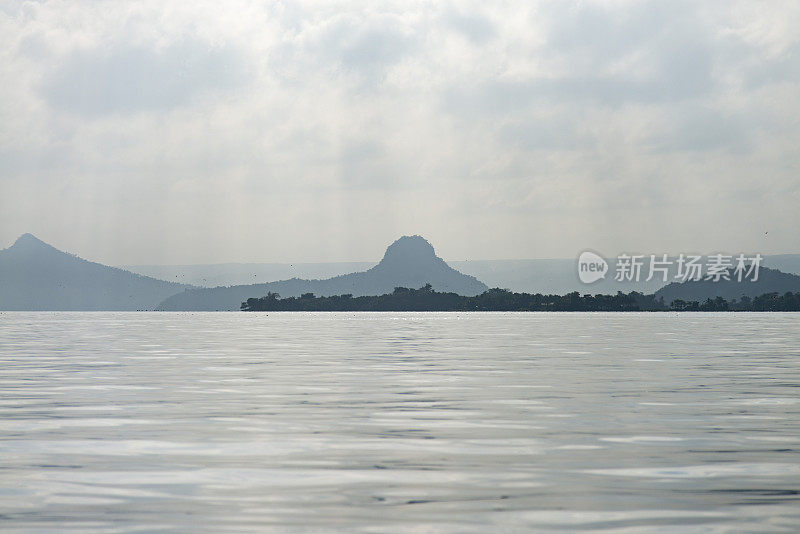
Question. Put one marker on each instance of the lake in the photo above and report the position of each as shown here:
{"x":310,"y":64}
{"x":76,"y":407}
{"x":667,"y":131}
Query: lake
{"x":399,"y":422}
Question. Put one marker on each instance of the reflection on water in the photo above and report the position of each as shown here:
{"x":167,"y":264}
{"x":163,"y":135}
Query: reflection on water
{"x":439,"y":422}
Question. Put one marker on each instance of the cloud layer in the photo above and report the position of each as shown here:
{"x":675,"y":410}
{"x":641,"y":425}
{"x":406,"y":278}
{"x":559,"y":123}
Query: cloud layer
{"x":299,"y":131}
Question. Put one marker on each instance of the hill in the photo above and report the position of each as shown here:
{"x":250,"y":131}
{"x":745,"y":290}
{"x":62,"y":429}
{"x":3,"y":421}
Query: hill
{"x":769,"y":281}
{"x":547,"y":276}
{"x":408,"y":262}
{"x":238,"y":274}
{"x":37,"y":276}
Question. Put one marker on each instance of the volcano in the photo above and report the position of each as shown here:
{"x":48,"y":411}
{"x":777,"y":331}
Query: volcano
{"x":409,"y":262}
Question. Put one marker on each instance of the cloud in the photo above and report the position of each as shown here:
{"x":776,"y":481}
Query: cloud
{"x":784,"y":68}
{"x":498,"y":130}
{"x":559,"y":132}
{"x":477,"y":29}
{"x":610,"y":55}
{"x":700,"y":129}
{"x":125,"y":78}
{"x":348,"y":47}
{"x":375,"y":48}
{"x":363,"y":166}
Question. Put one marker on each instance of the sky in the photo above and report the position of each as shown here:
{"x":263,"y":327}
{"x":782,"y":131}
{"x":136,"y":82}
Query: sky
{"x":257,"y":131}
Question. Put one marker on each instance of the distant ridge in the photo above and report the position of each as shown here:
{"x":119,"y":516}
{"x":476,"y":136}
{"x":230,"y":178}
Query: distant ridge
{"x":769,"y":281}
{"x":546,"y":276}
{"x":408,"y":262}
{"x":36,"y":276}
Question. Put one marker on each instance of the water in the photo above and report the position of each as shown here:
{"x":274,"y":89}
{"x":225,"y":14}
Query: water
{"x":441,"y":422}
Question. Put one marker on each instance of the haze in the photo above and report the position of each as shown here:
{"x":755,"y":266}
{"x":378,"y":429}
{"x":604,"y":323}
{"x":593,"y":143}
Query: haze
{"x":175,"y":132}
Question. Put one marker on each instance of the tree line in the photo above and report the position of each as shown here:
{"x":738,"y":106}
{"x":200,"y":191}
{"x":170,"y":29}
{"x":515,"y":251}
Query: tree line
{"x":427,"y":299}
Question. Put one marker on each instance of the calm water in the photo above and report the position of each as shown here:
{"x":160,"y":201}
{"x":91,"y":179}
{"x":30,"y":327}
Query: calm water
{"x":442,"y":422}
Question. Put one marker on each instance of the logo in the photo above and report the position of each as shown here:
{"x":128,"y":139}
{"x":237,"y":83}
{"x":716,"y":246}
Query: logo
{"x":683,"y":268}
{"x":591,"y":267}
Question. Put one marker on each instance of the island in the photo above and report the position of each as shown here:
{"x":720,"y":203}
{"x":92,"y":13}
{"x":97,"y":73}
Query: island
{"x":428,"y":299}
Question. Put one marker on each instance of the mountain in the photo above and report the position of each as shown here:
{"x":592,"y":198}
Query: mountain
{"x":37,"y":276}
{"x":546,"y":276}
{"x":787,"y":263}
{"x":769,"y":281}
{"x":237,"y":274}
{"x":408,"y":262}
{"x":553,"y":276}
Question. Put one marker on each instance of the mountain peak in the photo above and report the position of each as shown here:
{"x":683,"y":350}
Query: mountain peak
{"x":409,"y":262}
{"x":409,"y":248}
{"x":29,"y":242}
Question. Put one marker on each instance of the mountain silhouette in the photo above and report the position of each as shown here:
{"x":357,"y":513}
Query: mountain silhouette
{"x":37,"y":276}
{"x":769,"y":281}
{"x":408,"y":262}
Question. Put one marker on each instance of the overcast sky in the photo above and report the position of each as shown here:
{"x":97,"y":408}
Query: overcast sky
{"x":192,"y":132}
